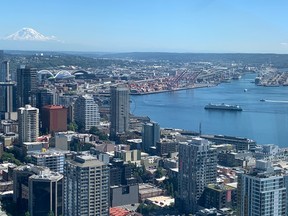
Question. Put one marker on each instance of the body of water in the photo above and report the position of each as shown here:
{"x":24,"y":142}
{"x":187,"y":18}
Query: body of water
{"x":265,"y":122}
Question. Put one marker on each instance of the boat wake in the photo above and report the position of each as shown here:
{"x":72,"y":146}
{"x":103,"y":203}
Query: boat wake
{"x":276,"y":101}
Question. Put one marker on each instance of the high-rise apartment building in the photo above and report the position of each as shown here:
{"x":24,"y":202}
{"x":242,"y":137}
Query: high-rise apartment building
{"x":197,"y":169}
{"x":46,"y":194}
{"x":119,"y":110}
{"x":86,"y":112}
{"x":150,"y":135}
{"x":263,"y":191}
{"x":86,"y":188}
{"x":26,"y":86}
{"x":54,"y":118}
{"x":52,"y":159}
{"x":28,"y":124}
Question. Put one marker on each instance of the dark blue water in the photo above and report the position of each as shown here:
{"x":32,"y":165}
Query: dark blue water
{"x":264,"y":122}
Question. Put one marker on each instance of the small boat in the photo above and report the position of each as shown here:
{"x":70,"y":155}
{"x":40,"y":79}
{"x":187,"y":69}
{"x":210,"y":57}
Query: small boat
{"x":262,"y":100}
{"x":245,"y":90}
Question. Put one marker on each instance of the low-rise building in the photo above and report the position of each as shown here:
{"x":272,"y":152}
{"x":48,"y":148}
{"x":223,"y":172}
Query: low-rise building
{"x":148,"y":191}
{"x":133,"y":156}
{"x":219,"y":196}
{"x":161,"y":201}
{"x":165,"y":146}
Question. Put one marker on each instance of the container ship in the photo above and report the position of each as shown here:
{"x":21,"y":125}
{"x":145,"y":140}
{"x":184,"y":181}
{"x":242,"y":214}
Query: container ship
{"x":223,"y":107}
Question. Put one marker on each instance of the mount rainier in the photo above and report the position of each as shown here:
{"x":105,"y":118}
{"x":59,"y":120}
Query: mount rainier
{"x":29,"y":34}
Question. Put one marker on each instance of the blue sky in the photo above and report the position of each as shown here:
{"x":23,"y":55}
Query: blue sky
{"x":154,"y":25}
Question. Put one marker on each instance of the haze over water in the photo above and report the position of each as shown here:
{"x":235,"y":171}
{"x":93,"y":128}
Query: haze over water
{"x":265,"y":122}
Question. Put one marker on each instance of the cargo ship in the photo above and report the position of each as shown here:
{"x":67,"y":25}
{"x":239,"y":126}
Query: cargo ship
{"x":223,"y":107}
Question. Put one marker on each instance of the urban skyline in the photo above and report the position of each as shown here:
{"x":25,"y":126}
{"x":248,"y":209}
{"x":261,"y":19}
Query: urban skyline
{"x":99,"y":101}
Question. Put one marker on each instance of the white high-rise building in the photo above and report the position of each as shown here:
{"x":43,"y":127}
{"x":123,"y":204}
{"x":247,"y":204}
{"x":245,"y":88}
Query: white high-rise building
{"x":28,"y":126}
{"x":86,"y":187}
{"x":86,"y":112}
{"x":197,"y":169}
{"x":119,"y":110}
{"x":54,"y":160}
{"x":263,"y":191}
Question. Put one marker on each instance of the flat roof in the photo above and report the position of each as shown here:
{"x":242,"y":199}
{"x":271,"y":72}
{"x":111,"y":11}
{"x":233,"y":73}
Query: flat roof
{"x":52,"y":107}
{"x":86,"y":161}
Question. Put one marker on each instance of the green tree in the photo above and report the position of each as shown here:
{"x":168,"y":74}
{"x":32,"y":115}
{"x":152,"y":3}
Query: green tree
{"x":95,"y":131}
{"x":159,"y":173}
{"x":10,"y":158}
{"x":72,"y":126}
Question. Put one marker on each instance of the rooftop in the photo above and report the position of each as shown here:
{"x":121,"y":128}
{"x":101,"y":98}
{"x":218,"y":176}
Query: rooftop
{"x":53,"y":107}
{"x":161,"y":200}
{"x":86,"y":161}
{"x":50,"y":176}
{"x":220,"y":187}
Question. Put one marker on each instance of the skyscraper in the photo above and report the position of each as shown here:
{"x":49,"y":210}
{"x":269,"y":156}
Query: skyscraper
{"x":26,"y":86}
{"x":119,"y":110}
{"x":44,"y":96}
{"x":86,"y":112}
{"x":7,"y":89}
{"x":197,"y":168}
{"x":150,"y":135}
{"x":46,"y":194}
{"x":263,"y":191}
{"x":1,"y":60}
{"x":28,"y":126}
{"x":86,"y":188}
{"x":21,"y":176}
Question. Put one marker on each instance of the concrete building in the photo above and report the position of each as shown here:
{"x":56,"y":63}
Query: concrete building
{"x":133,"y":156}
{"x":262,"y":191}
{"x":151,"y":163}
{"x":197,"y":169}
{"x":86,"y":188}
{"x":9,"y":126}
{"x":54,"y":118}
{"x":119,"y":110}
{"x":52,"y":159}
{"x":28,"y":128}
{"x":8,"y":139}
{"x":86,"y":112}
{"x":149,"y":190}
{"x":150,"y":135}
{"x":219,"y":196}
{"x":46,"y":194}
{"x":124,"y":195}
{"x":62,"y":140}
{"x":123,"y":187}
{"x":120,"y":173}
{"x":241,"y":144}
{"x":26,"y":86}
{"x":234,"y":159}
{"x":165,"y":146}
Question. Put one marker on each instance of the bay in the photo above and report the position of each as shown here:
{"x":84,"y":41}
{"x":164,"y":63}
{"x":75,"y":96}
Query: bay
{"x":265,"y":122}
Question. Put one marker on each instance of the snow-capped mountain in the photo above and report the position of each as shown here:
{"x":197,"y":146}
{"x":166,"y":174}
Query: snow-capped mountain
{"x":29,"y":34}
